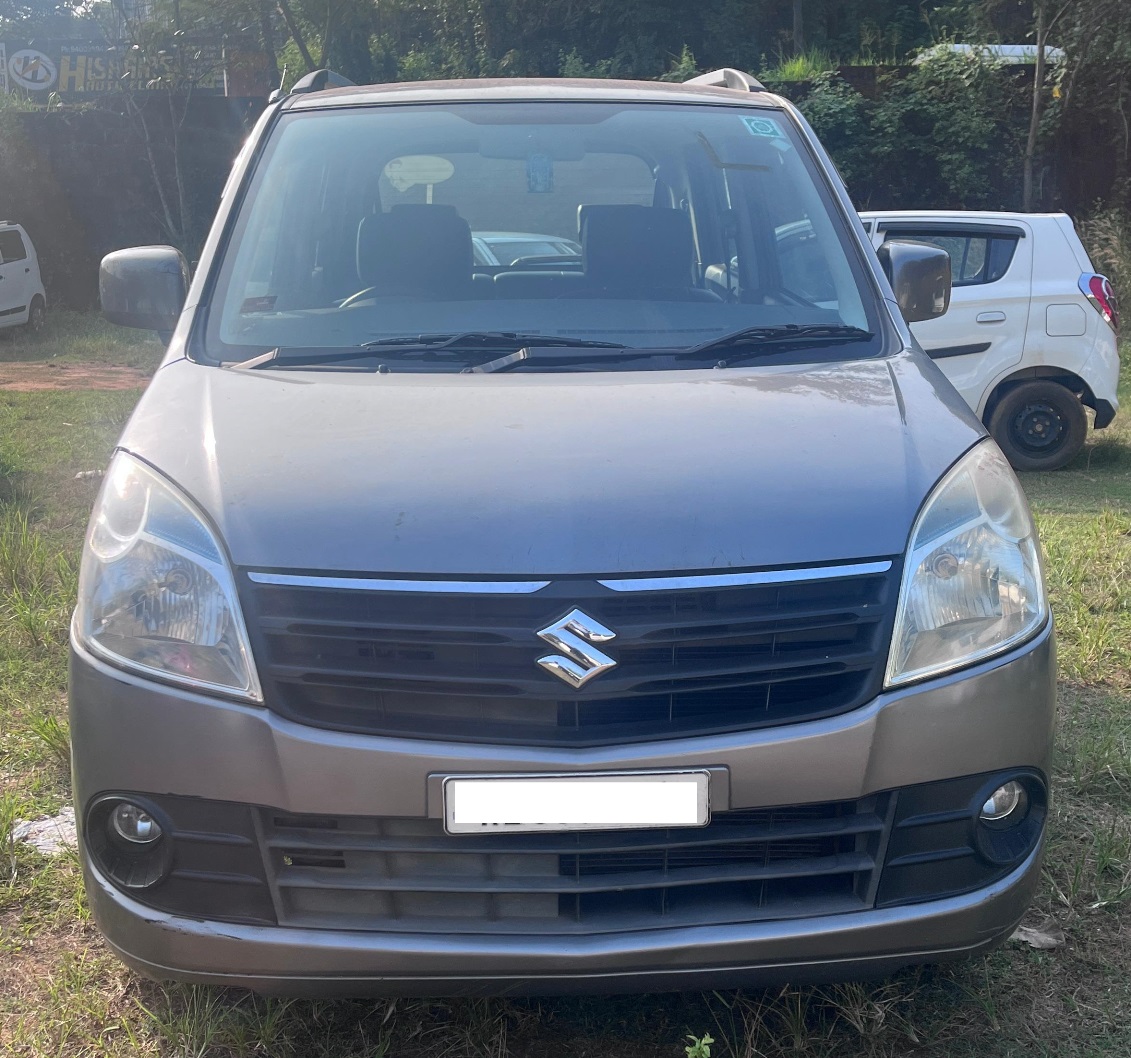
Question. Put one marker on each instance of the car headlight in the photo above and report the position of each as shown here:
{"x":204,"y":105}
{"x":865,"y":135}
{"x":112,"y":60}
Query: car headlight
{"x":155,"y":591}
{"x":973,"y":585}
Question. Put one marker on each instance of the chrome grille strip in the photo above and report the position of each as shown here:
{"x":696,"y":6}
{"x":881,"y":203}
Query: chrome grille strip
{"x":529,"y":587}
{"x":734,"y":580}
{"x":446,"y":587}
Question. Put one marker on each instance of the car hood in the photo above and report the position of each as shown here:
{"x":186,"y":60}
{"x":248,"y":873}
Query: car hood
{"x":536,"y":473}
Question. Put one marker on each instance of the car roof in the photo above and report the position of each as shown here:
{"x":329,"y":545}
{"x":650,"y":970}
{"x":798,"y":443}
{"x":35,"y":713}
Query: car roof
{"x":955,"y":215}
{"x":529,"y":90}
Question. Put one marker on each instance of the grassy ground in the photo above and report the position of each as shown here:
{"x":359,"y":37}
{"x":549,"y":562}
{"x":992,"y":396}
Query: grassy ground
{"x":62,"y":994}
{"x":80,"y":338}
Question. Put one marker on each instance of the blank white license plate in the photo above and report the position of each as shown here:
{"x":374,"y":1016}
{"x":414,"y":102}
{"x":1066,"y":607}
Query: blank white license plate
{"x":481,"y":804}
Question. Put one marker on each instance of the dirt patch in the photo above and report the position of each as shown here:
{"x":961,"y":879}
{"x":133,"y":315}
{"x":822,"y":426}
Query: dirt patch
{"x":28,"y":378}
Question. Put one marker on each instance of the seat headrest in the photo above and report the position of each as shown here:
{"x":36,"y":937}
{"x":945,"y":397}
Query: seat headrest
{"x":636,"y":246}
{"x":417,"y":250}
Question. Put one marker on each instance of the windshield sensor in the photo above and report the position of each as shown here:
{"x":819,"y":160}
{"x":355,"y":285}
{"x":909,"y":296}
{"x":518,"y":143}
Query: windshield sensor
{"x":754,"y":339}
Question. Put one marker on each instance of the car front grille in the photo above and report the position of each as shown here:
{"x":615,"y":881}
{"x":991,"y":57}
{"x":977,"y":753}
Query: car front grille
{"x":463,"y":665}
{"x":231,"y":862}
{"x":408,"y":875}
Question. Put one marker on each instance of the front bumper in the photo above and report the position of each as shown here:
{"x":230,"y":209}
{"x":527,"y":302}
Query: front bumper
{"x":1105,"y":414}
{"x":280,"y":961}
{"x":133,"y":735}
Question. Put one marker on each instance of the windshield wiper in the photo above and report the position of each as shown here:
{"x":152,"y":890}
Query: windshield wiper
{"x":751,"y":340}
{"x":451,"y":345}
{"x":489,"y":340}
{"x":559,"y":357}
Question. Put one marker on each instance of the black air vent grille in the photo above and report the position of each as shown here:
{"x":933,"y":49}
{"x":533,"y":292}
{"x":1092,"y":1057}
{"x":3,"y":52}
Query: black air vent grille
{"x":407,"y":874}
{"x":463,"y":666}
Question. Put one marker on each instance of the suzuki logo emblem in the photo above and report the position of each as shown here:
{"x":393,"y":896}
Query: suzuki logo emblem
{"x":576,"y":636}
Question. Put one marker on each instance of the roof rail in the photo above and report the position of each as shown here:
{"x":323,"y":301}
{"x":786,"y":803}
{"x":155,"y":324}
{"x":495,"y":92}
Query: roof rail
{"x":315,"y":81}
{"x":728,"y":78}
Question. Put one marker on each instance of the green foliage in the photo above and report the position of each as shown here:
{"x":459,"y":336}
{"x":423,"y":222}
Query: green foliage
{"x":13,"y":103}
{"x":683,"y":69}
{"x":28,"y":18}
{"x":842,"y":119}
{"x":948,"y":135}
{"x":571,"y":64}
{"x":951,"y":135}
{"x":1107,"y":236}
{"x":698,"y":1046}
{"x":806,"y":66}
{"x":634,"y":38}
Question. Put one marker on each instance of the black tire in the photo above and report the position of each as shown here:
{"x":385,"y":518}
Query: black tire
{"x":37,"y":315}
{"x":1039,"y":426}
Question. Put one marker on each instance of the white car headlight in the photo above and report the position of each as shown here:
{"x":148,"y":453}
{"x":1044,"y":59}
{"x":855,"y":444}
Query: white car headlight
{"x":973,"y":585}
{"x":155,"y":591}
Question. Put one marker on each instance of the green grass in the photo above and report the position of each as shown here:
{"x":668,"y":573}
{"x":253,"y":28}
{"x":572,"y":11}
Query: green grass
{"x":802,"y":67}
{"x":81,"y":338}
{"x":63,"y":994}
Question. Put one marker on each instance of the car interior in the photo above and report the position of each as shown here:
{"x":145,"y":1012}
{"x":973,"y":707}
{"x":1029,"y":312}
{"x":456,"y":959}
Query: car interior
{"x":378,"y":227}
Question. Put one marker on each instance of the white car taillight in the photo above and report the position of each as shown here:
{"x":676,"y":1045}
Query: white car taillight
{"x":1099,"y":291}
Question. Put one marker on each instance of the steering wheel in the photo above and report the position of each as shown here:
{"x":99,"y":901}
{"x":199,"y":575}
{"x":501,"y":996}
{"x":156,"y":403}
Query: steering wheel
{"x":353,"y":299}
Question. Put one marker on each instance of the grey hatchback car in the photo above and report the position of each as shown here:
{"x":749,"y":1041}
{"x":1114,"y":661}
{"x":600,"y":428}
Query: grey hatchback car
{"x":656,"y":619}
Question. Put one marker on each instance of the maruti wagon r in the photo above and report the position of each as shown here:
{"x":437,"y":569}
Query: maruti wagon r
{"x":642,"y":620}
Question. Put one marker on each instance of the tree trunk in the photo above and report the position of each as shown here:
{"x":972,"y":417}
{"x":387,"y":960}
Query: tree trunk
{"x":1037,"y":110}
{"x":328,"y":42}
{"x":296,"y":34}
{"x":267,"y":33}
{"x":798,"y":28}
{"x":175,"y":234}
{"x":188,"y":235}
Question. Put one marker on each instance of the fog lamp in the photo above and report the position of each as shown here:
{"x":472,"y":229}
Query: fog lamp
{"x":134,"y":824}
{"x":1007,"y":806}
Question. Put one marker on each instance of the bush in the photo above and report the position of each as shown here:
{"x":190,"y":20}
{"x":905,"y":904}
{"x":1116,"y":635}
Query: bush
{"x":1106,"y":235}
{"x":683,"y":68}
{"x":951,"y":135}
{"x":571,"y":64}
{"x":807,"y":66}
{"x":842,"y":119}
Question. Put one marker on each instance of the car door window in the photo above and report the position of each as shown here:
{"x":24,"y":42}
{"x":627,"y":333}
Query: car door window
{"x":11,"y":247}
{"x":975,"y":257}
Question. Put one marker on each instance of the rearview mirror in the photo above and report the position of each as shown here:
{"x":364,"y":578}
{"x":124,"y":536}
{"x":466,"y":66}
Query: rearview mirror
{"x":144,"y":287}
{"x":919,"y":274}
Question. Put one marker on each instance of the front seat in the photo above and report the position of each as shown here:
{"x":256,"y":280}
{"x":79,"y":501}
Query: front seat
{"x":643,"y":252}
{"x":416,"y":251}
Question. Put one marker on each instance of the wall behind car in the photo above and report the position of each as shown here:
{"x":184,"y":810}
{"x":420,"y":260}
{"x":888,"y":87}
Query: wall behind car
{"x":87,"y":180}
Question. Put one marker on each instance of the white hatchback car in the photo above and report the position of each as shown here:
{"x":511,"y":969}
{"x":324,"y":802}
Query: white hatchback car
{"x":23,"y":301}
{"x":1029,"y":339}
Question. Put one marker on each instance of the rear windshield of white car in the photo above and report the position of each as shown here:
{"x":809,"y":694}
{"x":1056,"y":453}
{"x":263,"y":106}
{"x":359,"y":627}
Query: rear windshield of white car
{"x":644,"y":225}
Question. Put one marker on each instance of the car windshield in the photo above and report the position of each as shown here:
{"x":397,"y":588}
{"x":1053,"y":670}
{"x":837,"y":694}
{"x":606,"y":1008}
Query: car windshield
{"x":641,"y":225}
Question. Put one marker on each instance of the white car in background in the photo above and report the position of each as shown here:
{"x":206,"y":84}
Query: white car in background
{"x":505,"y":248}
{"x":23,"y":301}
{"x":1029,"y":339}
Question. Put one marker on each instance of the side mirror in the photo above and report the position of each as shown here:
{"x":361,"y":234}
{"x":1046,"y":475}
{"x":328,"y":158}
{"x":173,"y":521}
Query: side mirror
{"x":919,"y":274}
{"x":144,"y":287}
